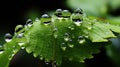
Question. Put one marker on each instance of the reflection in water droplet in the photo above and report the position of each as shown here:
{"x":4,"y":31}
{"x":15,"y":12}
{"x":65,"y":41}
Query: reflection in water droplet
{"x":18,"y":28}
{"x":66,"y":14}
{"x":70,"y":43}
{"x":8,"y":37}
{"x":1,"y":49}
{"x":81,"y":39}
{"x":20,"y":43}
{"x":47,"y":62}
{"x":63,"y":46}
{"x":45,"y":19}
{"x":29,"y":22}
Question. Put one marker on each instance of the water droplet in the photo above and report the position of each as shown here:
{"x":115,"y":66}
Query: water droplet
{"x":63,"y":46}
{"x":78,"y":10}
{"x":21,"y":35}
{"x":77,"y":19}
{"x":55,"y":32}
{"x":8,"y":37}
{"x":58,"y":13}
{"x":81,"y":39}
{"x":66,"y":36}
{"x":71,"y":27}
{"x":18,"y":28}
{"x":29,"y":22}
{"x":70,"y":43}
{"x":45,"y":19}
{"x":66,"y":14}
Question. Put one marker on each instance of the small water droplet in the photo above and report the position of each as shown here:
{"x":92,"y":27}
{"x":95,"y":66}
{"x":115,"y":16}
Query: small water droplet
{"x":78,"y":10}
{"x":66,"y":14}
{"x":63,"y":46}
{"x":58,"y":13}
{"x":66,"y":37}
{"x":81,"y":39}
{"x":45,"y":19}
{"x":55,"y":32}
{"x":29,"y":22}
{"x":70,"y":43}
{"x":18,"y":28}
{"x":8,"y":37}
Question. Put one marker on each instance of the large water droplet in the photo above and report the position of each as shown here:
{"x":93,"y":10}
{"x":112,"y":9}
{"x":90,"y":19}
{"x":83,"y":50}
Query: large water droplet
{"x":70,"y":43}
{"x":66,"y":14}
{"x":63,"y":46}
{"x":81,"y":39}
{"x":45,"y":19}
{"x":58,"y":13}
{"x":66,"y":37}
{"x":8,"y":37}
{"x":78,"y":10}
{"x":29,"y":22}
{"x":18,"y":28}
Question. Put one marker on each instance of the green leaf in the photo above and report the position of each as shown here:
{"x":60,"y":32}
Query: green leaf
{"x":10,"y":49}
{"x":74,"y":37}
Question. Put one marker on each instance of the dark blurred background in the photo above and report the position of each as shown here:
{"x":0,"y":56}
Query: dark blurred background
{"x":14,"y":12}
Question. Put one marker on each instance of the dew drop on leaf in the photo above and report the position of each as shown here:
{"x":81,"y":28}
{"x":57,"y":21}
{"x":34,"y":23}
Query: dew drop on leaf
{"x":21,"y":35}
{"x":66,"y":36}
{"x":29,"y":22}
{"x":81,"y":39}
{"x":70,"y":43}
{"x":58,"y":13}
{"x":18,"y":28}
{"x":63,"y":46}
{"x":37,"y":19}
{"x":8,"y":37}
{"x":66,"y":14}
{"x":45,"y":19}
{"x":55,"y":32}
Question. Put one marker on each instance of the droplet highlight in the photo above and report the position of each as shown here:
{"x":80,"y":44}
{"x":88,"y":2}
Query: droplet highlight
{"x":8,"y":37}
